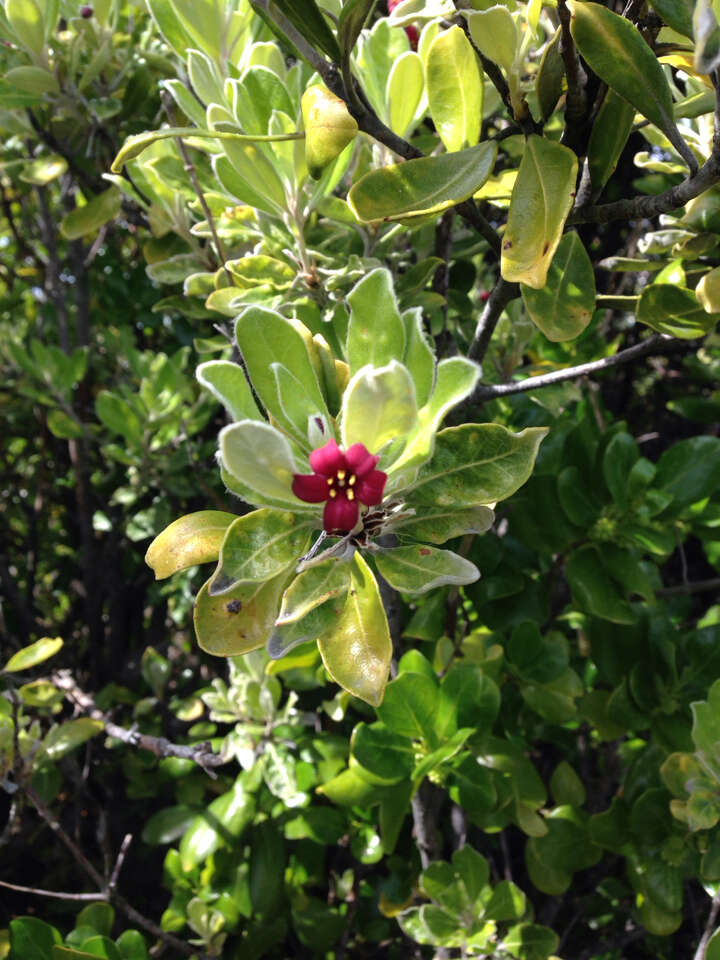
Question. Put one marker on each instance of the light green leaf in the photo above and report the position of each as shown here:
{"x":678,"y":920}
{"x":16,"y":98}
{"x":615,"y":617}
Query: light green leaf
{"x":378,"y":405}
{"x":456,"y":379}
{"x":33,"y":80}
{"x":257,"y":547}
{"x":259,"y":456}
{"x":194,"y":538}
{"x":357,"y":650}
{"x":495,"y":35}
{"x":419,"y":354}
{"x":438,"y":524}
{"x":260,"y":270}
{"x":316,"y":621}
{"x":297,"y":407}
{"x":550,"y":77}
{"x":26,"y":20}
{"x":224,"y":821}
{"x":385,"y":757}
{"x":421,"y":187}
{"x":410,"y":707}
{"x":93,"y":215}
{"x":67,"y":736}
{"x":205,"y":78}
{"x":43,"y":170}
{"x":707,"y":36}
{"x":708,"y":291}
{"x":404,"y":91}
{"x":530,"y":941}
{"x":454,"y":89}
{"x":64,"y":426}
{"x":376,"y":333}
{"x":675,"y":311}
{"x":313,"y":587}
{"x":615,"y":49}
{"x":33,"y":654}
{"x":609,"y":135}
{"x":506,"y":903}
{"x":564,"y":306}
{"x":417,"y":569}
{"x":239,"y":621}
{"x":476,"y":464}
{"x":228,"y":384}
{"x":541,"y":200}
{"x":264,"y":337}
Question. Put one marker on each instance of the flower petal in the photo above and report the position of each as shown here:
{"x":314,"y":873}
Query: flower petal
{"x":310,"y":487}
{"x":370,"y":488}
{"x":328,"y":460}
{"x":340,"y":515}
{"x":360,"y":460}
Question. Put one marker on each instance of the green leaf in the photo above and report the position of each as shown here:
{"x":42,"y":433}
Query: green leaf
{"x":675,"y":311}
{"x":495,"y":34}
{"x":621,"y":455}
{"x":353,"y":17}
{"x":690,"y":470}
{"x":30,"y":937}
{"x":258,"y":547}
{"x":507,"y":902}
{"x":223,"y":823}
{"x":468,"y":699}
{"x":609,"y":135}
{"x":228,"y":384}
{"x":535,"y":658}
{"x":617,"y":52}
{"x":454,"y":89}
{"x":472,"y":787}
{"x":63,"y":426}
{"x":677,"y":14}
{"x":350,"y":788}
{"x":376,"y":333}
{"x":43,"y":170}
{"x":593,"y":589}
{"x":476,"y":464}
{"x":99,"y":916}
{"x":417,"y":569}
{"x":307,"y":19}
{"x":421,"y":187}
{"x":437,"y":525}
{"x":132,"y":946}
{"x":239,"y":621}
{"x":550,"y":77}
{"x":563,"y":308}
{"x":26,"y":20}
{"x":385,"y":757}
{"x":378,"y":406}
{"x":419,"y":355}
{"x":260,"y":457}
{"x":357,"y":650}
{"x":167,"y":825}
{"x":194,"y":538}
{"x":405,"y":88}
{"x":455,"y":380}
{"x":542,"y":197}
{"x":707,"y":36}
{"x":264,"y":337}
{"x":267,"y":862}
{"x":313,"y":587}
{"x":410,"y":706}
{"x":68,"y":736}
{"x":712,"y":951}
{"x":566,"y":786}
{"x":93,"y":215}
{"x":530,"y":941}
{"x":32,"y":655}
{"x":708,"y":291}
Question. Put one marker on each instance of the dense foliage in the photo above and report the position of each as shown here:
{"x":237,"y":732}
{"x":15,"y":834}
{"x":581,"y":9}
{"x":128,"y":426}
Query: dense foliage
{"x":360,"y":479}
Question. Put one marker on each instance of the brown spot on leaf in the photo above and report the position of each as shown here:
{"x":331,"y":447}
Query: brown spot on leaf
{"x":424,"y":552}
{"x":546,"y":247}
{"x":233,"y":606}
{"x":507,"y":244}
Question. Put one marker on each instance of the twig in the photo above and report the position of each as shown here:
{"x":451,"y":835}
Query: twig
{"x":503,"y":292}
{"x":57,"y":894}
{"x":576,"y":102}
{"x":709,"y":928}
{"x":192,"y":173}
{"x":700,"y":586}
{"x":656,"y":345}
{"x":200,"y":753}
{"x":124,"y":847}
{"x":637,"y":208}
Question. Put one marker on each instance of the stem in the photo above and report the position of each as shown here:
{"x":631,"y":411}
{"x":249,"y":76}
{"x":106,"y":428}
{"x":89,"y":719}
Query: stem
{"x":503,"y":292}
{"x":708,"y":931}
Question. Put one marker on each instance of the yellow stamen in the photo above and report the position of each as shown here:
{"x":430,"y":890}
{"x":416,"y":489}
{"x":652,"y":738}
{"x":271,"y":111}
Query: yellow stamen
{"x":333,"y":494}
{"x":352,"y":480}
{"x":350,"y":494}
{"x":341,"y":474}
{"x":331,"y":481}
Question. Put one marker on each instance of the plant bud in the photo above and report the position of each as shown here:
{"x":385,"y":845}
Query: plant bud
{"x":329,"y":128}
{"x":86,"y":12}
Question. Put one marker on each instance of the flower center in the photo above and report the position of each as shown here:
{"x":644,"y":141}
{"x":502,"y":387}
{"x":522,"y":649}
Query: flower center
{"x":342,"y":484}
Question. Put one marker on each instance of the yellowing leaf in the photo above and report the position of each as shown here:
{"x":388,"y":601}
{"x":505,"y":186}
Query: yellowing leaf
{"x":455,"y":89}
{"x":541,"y":200}
{"x":357,"y":650}
{"x":194,"y":538}
{"x":564,"y":306}
{"x":33,"y":654}
{"x":239,"y":621}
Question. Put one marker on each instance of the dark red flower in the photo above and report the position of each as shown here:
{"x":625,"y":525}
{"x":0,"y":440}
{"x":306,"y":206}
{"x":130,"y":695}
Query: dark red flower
{"x":344,"y":480}
{"x":410,"y":30}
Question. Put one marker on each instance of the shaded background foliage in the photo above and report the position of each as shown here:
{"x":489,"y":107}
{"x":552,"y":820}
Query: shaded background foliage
{"x":583,"y":776}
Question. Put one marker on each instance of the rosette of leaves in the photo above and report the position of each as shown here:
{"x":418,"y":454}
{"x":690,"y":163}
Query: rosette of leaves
{"x":281,"y":579}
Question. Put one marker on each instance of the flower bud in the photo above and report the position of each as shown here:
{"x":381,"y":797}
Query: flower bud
{"x":329,"y":128}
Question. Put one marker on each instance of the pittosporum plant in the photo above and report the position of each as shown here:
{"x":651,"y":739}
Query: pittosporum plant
{"x":352,"y":478}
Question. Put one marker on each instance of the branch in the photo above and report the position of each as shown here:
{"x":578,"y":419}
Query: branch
{"x":700,"y":586}
{"x":656,"y":345}
{"x":503,"y":292}
{"x":638,"y":208}
{"x":200,"y":753}
{"x":57,"y":894}
{"x":708,"y":931}
{"x":576,"y":103}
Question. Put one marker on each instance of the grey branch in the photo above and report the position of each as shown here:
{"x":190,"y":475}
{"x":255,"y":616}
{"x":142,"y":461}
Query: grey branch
{"x":502,"y":293}
{"x":200,"y":753}
{"x":701,"y":951}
